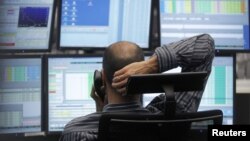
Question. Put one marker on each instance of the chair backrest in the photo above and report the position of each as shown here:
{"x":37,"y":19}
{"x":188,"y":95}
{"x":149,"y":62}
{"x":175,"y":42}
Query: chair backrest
{"x":149,"y":127}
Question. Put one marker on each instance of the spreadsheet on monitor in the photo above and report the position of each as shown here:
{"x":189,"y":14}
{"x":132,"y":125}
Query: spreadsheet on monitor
{"x":227,"y":21}
{"x":70,"y":82}
{"x":20,"y":95}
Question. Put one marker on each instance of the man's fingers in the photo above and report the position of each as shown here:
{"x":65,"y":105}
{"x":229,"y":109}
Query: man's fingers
{"x":120,"y":84}
{"x":119,"y":78}
{"x":119,"y":72}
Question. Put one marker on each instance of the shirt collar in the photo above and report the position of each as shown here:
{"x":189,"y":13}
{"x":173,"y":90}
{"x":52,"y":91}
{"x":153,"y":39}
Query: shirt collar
{"x":122,"y":107}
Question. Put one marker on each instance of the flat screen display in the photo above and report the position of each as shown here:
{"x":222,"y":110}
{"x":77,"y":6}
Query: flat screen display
{"x":243,"y":73}
{"x":99,"y":23}
{"x":227,"y":21}
{"x":20,"y":95}
{"x":25,"y":24}
{"x":70,"y":81}
{"x":219,"y":90}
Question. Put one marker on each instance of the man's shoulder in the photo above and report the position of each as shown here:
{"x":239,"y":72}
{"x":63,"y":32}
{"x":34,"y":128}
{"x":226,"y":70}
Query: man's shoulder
{"x":83,"y":123}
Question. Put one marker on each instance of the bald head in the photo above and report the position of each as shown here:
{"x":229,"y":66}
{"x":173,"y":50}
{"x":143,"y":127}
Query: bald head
{"x":118,"y":55}
{"x":124,"y":49}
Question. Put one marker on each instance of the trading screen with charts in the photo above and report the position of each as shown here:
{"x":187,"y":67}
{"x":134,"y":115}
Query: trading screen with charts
{"x":95,"y":24}
{"x":218,"y":93}
{"x":70,"y":82}
{"x":20,"y":95}
{"x":219,"y":90}
{"x":25,"y":24}
{"x":227,"y":21}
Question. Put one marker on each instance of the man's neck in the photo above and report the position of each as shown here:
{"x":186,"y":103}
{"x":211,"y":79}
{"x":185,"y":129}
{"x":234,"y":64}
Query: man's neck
{"x":116,"y":98}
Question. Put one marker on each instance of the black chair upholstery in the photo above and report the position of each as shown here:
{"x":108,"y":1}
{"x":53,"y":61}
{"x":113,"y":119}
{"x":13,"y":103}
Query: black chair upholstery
{"x":149,"y":127}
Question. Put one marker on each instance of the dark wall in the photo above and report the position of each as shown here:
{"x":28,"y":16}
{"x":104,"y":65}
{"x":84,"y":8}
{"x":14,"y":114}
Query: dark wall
{"x":242,"y":109}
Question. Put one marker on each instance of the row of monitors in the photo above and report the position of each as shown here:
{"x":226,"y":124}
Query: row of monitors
{"x":89,"y":24}
{"x":29,"y":105}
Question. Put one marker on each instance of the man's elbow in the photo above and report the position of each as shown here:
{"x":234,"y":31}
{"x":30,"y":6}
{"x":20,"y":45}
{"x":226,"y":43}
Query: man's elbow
{"x":211,"y":41}
{"x":210,"y":45}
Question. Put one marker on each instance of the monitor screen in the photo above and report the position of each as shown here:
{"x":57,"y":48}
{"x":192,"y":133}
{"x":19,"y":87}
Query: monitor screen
{"x":70,"y":81}
{"x":20,"y":95}
{"x":219,"y":90}
{"x":97,"y":24}
{"x":227,"y":21}
{"x":25,"y":24}
{"x":243,"y":73}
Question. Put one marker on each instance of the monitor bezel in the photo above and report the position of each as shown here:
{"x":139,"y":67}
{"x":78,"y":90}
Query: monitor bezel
{"x":35,"y":133}
{"x":46,"y":76}
{"x":234,"y":90}
{"x":151,"y":38}
{"x":50,"y":41}
{"x":218,"y":51}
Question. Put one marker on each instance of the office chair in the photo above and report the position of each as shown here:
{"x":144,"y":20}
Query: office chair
{"x":149,"y":127}
{"x":170,"y":126}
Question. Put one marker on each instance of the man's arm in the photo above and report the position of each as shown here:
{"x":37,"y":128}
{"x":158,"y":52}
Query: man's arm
{"x":192,"y":54}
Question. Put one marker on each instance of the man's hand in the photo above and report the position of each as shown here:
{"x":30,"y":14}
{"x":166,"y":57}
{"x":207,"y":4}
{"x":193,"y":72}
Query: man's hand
{"x":144,"y":67}
{"x":98,"y":101}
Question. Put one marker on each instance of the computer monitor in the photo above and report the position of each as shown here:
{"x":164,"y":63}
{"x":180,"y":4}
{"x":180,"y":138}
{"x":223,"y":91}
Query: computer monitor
{"x":227,"y":21}
{"x":20,"y":94}
{"x":243,"y":73}
{"x":26,"y":25}
{"x":70,"y":80}
{"x":96,"y":24}
{"x":219,"y":90}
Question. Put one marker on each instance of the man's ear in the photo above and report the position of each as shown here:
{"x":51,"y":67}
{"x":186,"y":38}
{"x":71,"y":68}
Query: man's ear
{"x":103,"y":89}
{"x":103,"y":78}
